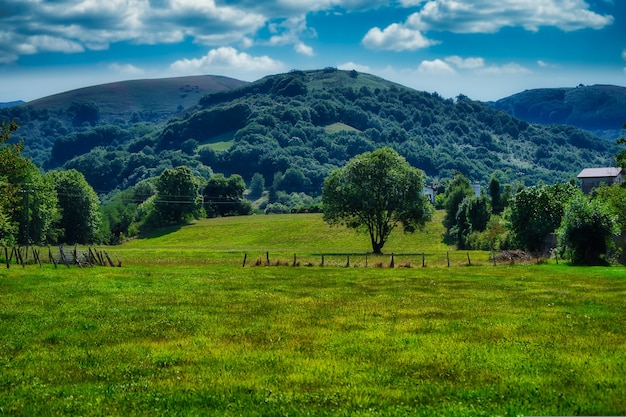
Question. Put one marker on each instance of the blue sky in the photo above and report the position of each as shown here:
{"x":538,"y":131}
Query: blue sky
{"x":485,"y":49}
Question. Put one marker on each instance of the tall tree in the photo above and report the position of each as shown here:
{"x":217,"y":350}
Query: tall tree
{"x":376,"y":192}
{"x":178,"y":196}
{"x":456,"y":191}
{"x":28,"y":203}
{"x":79,"y":207}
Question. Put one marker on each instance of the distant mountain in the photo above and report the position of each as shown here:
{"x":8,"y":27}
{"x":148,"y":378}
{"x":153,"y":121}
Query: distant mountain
{"x":600,"y":109}
{"x":158,"y":98}
{"x":11,"y":104}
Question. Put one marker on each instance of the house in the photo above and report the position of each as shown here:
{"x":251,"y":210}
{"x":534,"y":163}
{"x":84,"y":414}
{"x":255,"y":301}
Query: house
{"x":592,"y":177}
{"x":430,"y":193}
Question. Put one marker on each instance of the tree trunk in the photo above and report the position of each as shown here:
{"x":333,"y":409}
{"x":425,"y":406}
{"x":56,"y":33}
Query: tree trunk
{"x":377,"y":246}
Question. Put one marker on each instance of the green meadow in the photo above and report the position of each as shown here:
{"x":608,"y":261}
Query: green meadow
{"x":182,"y":328}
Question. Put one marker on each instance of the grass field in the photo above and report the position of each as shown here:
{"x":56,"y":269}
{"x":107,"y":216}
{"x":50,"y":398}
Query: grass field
{"x":183,"y":329}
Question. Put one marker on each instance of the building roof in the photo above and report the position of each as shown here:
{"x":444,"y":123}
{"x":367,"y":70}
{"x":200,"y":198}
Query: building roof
{"x":599,"y":172}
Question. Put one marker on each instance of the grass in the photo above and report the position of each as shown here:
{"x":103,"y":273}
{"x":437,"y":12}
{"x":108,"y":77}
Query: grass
{"x":220,"y":143}
{"x":204,"y":336}
{"x":339,"y":127}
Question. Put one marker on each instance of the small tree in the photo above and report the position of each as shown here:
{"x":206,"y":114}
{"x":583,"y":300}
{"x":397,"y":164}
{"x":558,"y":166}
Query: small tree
{"x":536,"y":212}
{"x":587,"y":230}
{"x":224,"y":196}
{"x":375,"y":192}
{"x":257,"y":185}
{"x":178,"y":196}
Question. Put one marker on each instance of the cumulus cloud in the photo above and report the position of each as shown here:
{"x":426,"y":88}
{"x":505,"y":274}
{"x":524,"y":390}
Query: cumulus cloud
{"x":465,"y":63}
{"x":228,"y":61}
{"x":125,"y":69}
{"x":481,"y":16}
{"x":397,"y":38}
{"x":512,"y":68}
{"x":436,"y":66}
{"x":489,"y":16}
{"x":349,"y":66}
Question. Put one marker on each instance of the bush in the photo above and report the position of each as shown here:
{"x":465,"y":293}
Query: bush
{"x":586,"y":231}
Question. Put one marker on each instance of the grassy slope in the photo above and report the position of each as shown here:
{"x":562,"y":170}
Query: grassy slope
{"x":161,"y":96}
{"x":181,"y":329}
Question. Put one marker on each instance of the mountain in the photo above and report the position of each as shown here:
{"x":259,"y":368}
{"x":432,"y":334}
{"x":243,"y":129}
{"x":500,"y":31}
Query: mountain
{"x":11,"y":104}
{"x":160,"y":98}
{"x":295,"y":128}
{"x":600,"y":109}
{"x":121,"y":104}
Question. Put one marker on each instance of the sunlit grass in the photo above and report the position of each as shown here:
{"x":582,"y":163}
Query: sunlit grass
{"x":183,"y":329}
{"x":227,"y":340}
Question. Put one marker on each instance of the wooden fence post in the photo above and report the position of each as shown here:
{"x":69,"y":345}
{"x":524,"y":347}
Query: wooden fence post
{"x":322,"y":260}
{"x":448,"y":258}
{"x":423,"y":260}
{"x":294,"y":259}
{"x":347,"y":261}
{"x":6,"y":257}
{"x":469,"y":262}
{"x":245,"y":256}
{"x":267,"y":258}
{"x":393,"y":263}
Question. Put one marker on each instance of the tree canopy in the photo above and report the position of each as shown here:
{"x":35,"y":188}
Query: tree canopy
{"x":376,"y":192}
{"x":178,"y":196}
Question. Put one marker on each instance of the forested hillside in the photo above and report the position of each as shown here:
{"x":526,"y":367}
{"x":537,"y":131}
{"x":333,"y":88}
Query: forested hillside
{"x":600,"y":109}
{"x":295,"y":128}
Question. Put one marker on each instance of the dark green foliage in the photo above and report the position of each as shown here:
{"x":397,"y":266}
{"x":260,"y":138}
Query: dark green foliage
{"x":494,"y":193}
{"x":376,"y":192}
{"x":536,"y":212}
{"x":257,"y":185}
{"x":472,"y":216}
{"x":224,"y":196}
{"x":456,"y":191}
{"x":587,"y":230}
{"x":79,"y":205}
{"x":178,"y":197}
{"x":66,"y":147}
{"x":84,"y":113}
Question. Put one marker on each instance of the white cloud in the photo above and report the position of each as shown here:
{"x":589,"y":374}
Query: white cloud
{"x":489,"y":16}
{"x":512,"y":68}
{"x":397,"y":38}
{"x":436,"y":66}
{"x":227,"y":61}
{"x":303,"y":49}
{"x":349,"y":66}
{"x":624,"y":54}
{"x":465,"y":63}
{"x":125,"y":69}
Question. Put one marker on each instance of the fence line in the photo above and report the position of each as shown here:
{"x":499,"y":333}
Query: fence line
{"x":59,"y":255}
{"x":397,"y":260}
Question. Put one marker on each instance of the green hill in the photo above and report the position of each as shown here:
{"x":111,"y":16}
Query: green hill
{"x":155,"y":98}
{"x":598,"y":108}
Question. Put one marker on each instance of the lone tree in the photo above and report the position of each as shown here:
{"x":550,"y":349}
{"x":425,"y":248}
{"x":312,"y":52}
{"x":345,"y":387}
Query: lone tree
{"x":374,"y":193}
